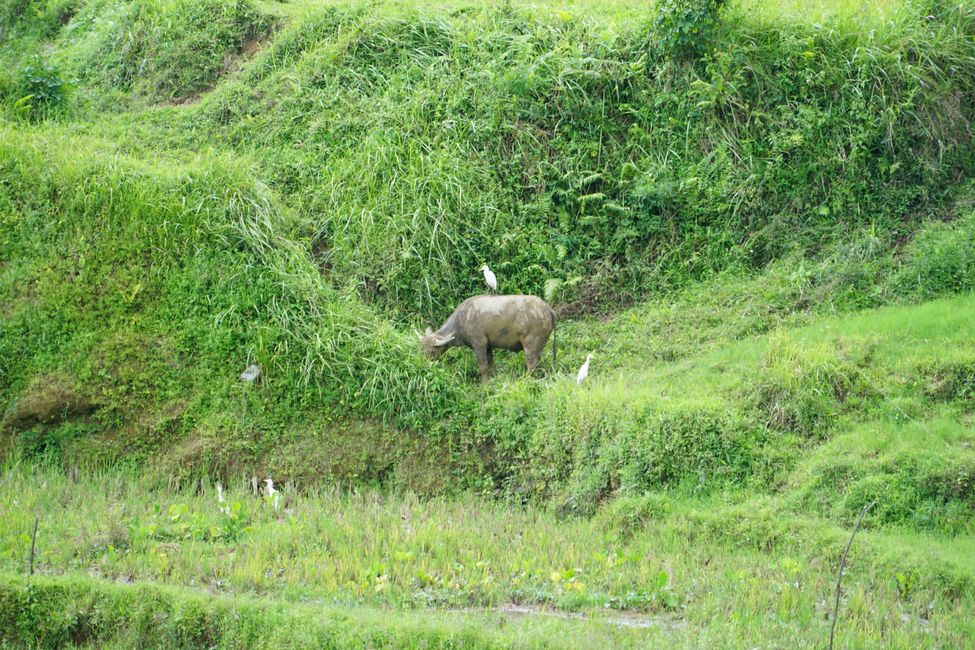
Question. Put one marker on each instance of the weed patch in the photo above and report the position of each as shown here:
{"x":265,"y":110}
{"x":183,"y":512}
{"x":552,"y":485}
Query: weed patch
{"x":950,"y":379}
{"x":804,"y":387}
{"x":161,"y":50}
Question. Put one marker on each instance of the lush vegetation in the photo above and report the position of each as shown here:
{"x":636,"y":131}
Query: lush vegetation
{"x":754,"y":213}
{"x":348,"y":180}
{"x":326,"y":564}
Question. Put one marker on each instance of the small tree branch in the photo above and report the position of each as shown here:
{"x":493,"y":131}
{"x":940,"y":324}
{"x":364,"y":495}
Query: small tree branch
{"x":839,"y":576}
{"x":33,"y":548}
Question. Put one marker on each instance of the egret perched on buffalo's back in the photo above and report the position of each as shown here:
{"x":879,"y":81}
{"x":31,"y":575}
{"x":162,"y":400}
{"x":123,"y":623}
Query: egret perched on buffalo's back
{"x":490,"y":278}
{"x":584,"y":370}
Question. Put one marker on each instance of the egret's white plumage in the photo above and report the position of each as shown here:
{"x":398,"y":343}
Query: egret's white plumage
{"x":490,"y":278}
{"x":251,"y":373}
{"x":271,"y":492}
{"x":584,"y":370}
{"x":224,"y":509}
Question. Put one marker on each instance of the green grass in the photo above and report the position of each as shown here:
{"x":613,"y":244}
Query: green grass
{"x":298,"y":215}
{"x":683,"y":530}
{"x":367,"y":552}
{"x":762,"y":230}
{"x":95,"y":613}
{"x":744,"y":413}
{"x":616,"y":205}
{"x":614,"y":12}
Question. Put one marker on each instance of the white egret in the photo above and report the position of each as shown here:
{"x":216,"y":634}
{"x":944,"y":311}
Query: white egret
{"x":224,"y":509}
{"x":490,"y":278}
{"x":251,"y":373}
{"x":584,"y":370}
{"x":271,"y":492}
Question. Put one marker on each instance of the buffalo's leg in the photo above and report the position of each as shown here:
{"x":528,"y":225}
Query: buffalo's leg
{"x":490,"y":360}
{"x":485,"y":361}
{"x":532,"y":358}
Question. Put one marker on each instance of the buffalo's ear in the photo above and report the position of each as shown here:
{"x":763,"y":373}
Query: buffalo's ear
{"x":429,"y":331}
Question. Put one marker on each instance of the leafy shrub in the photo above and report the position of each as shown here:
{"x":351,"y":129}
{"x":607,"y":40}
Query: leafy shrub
{"x":11,"y":11}
{"x":686,"y":29}
{"x":39,"y":90}
{"x":42,"y":18}
{"x":573,"y":189}
{"x":849,"y":270}
{"x":627,"y":515}
{"x":690,"y":448}
{"x":925,"y":492}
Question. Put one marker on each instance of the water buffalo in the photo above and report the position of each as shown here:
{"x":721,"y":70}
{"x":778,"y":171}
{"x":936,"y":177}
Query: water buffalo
{"x":484,"y":323}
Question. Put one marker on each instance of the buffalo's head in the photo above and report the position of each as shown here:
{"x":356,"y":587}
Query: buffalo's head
{"x":433,"y":344}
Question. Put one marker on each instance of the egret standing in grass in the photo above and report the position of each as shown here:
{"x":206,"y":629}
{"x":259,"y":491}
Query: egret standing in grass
{"x":271,"y":492}
{"x":224,"y":509}
{"x":584,"y":370}
{"x":490,"y":278}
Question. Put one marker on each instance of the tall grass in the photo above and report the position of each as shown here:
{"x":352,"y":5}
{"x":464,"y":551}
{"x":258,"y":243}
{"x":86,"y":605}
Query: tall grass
{"x":198,"y":262}
{"x":577,"y":160}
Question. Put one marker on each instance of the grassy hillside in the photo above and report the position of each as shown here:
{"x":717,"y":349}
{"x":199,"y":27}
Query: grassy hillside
{"x":344,"y":182}
{"x":761,"y":224}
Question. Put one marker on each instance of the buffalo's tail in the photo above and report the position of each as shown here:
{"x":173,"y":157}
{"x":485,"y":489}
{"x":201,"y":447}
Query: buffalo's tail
{"x":555,"y":338}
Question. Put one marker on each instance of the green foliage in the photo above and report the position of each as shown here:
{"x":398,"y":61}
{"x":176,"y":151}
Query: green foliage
{"x":628,"y":515}
{"x":919,"y":476}
{"x":39,"y":17}
{"x":951,"y":378}
{"x":120,"y":224}
{"x":940,"y":260}
{"x":12,"y":10}
{"x":356,"y":569}
{"x":566,"y":163}
{"x":685,"y":29}
{"x":54,"y":612}
{"x":696,"y":449}
{"x":314,"y":192}
{"x":562,"y":162}
{"x":38,"y":90}
{"x":181,"y":522}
